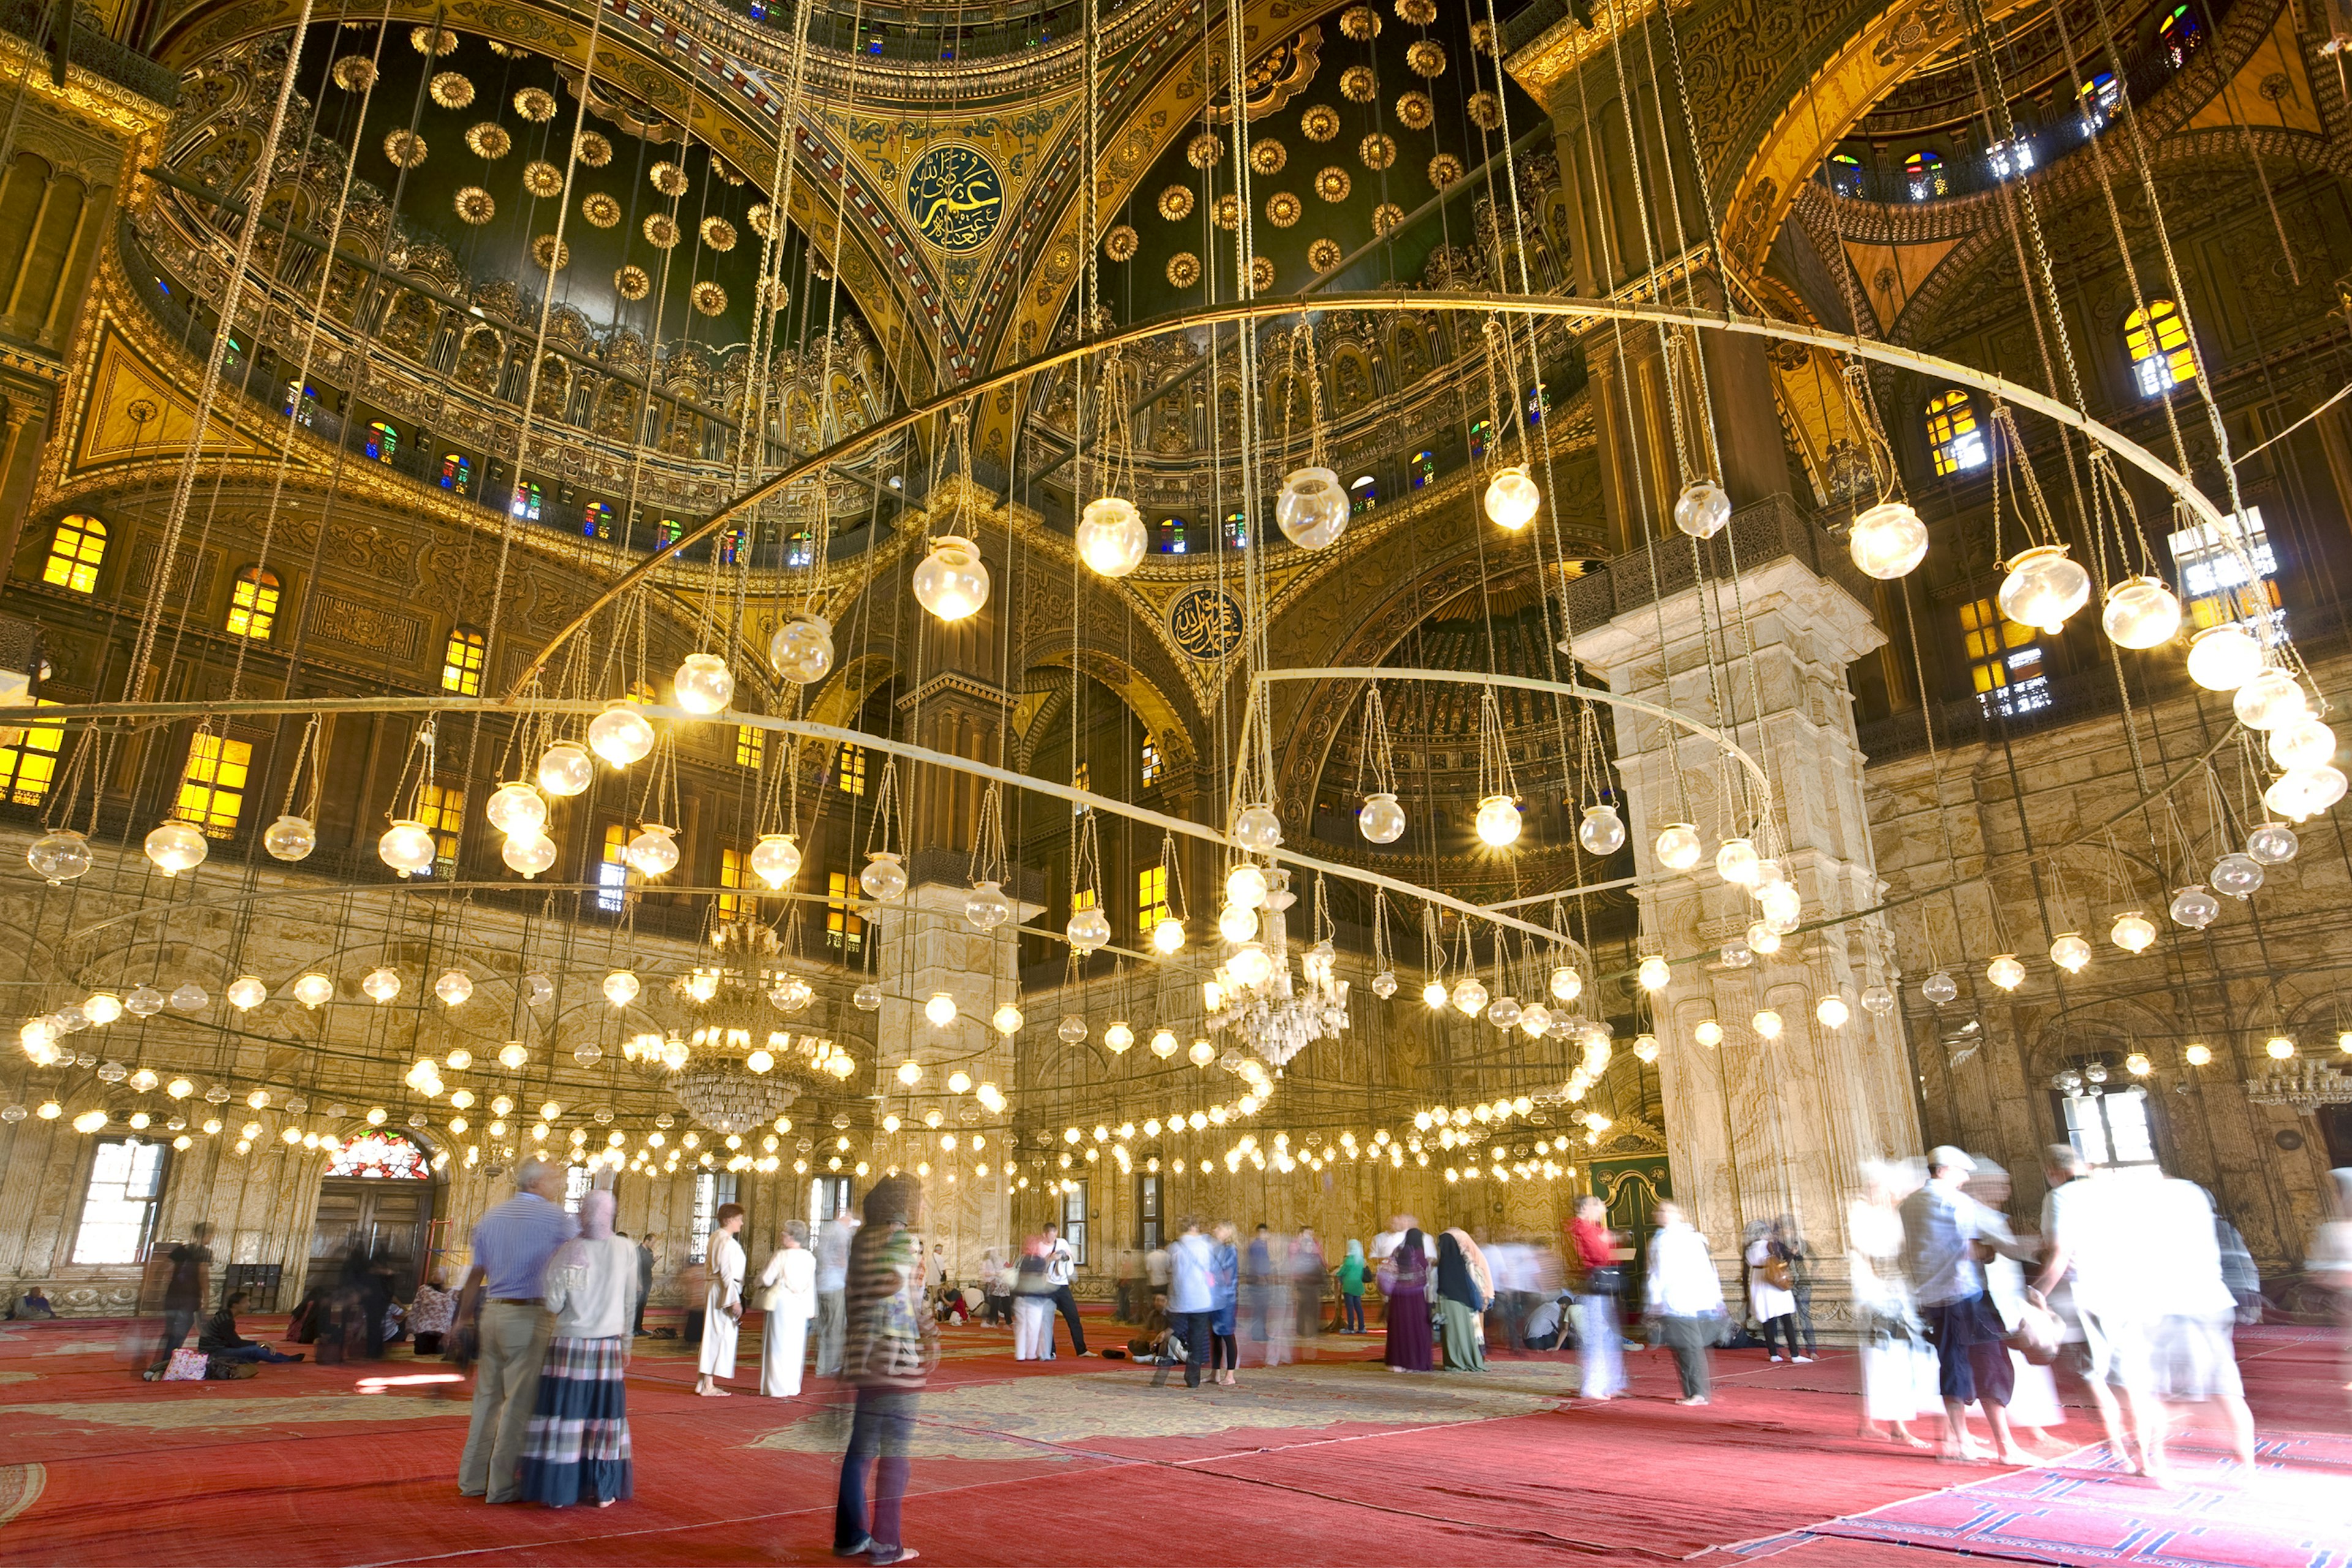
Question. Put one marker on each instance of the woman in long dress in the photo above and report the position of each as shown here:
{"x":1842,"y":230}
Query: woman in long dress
{"x":1773,"y":1305}
{"x":577,"y":1446}
{"x":1460,"y":1300}
{"x":722,"y":1301}
{"x":788,"y":1295}
{"x":1404,"y":1285}
{"x":1892,"y":1344}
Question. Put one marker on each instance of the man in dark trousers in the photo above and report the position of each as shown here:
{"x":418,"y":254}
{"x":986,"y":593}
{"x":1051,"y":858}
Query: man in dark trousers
{"x":1061,"y":1259}
{"x":645,"y":1277}
{"x":184,"y":1294}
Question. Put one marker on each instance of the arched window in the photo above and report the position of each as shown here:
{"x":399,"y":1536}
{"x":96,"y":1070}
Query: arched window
{"x":2100,"y":95}
{"x":1150,"y":762}
{"x":307,"y":397}
{"x":671,"y":531}
{"x":1923,"y":172}
{"x":75,"y":552}
{"x":457,"y":473}
{"x":597,"y":522}
{"x":1481,"y":432}
{"x":799,"y":549}
{"x":2158,"y":339}
{"x":381,"y":439}
{"x":1845,"y":173}
{"x":253,"y":605}
{"x":1537,"y":403}
{"x":730,"y":544}
{"x":1952,"y":433}
{"x":1423,"y":468}
{"x":1363,"y":494}
{"x":461,"y":666}
{"x":2178,"y":34}
{"x":526,"y":501}
{"x":1171,"y":536}
{"x":1235,"y":532}
{"x":378,"y":1155}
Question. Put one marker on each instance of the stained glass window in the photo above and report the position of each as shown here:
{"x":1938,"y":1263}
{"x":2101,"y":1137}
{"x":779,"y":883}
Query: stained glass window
{"x":2161,"y":356}
{"x":377,"y":1156}
{"x":457,"y":473}
{"x":253,"y":605}
{"x":1952,"y":433}
{"x":382,"y":441}
{"x":1150,"y":762}
{"x":461,"y":666}
{"x":212,"y":791}
{"x":75,"y":552}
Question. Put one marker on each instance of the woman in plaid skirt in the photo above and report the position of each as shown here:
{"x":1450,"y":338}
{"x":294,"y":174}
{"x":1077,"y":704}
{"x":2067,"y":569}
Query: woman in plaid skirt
{"x":577,"y":1450}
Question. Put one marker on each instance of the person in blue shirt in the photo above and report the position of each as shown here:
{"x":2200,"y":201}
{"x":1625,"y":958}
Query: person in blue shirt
{"x":1191,"y":1300}
{"x":512,"y":1246}
{"x":1225,"y":1356}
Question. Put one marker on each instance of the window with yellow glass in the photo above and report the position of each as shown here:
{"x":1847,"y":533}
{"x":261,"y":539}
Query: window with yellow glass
{"x":2157,"y":341}
{"x":461,"y":665}
{"x":76,"y":551}
{"x":253,"y":605}
{"x":2004,"y":661}
{"x":849,"y":771}
{"x":732,"y":866}
{"x":30,"y":767}
{"x":212,"y":789}
{"x":1151,"y":898}
{"x":441,"y":811}
{"x":614,"y":876}
{"x":845,"y":928}
{"x":750,"y":745}
{"x":1953,"y":437}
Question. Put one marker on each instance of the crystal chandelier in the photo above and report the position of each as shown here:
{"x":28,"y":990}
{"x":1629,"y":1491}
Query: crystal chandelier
{"x":2304,"y":1085}
{"x":726,"y":1097}
{"x":1253,"y":993}
{"x":733,"y":1001}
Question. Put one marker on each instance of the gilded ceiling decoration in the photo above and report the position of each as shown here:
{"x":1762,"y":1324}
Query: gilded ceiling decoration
{"x":1183,"y":269}
{"x":405,"y":148}
{"x":1378,"y":150}
{"x":1358,"y":85}
{"x":1486,"y":111}
{"x":601,"y":209}
{"x":1176,"y":203}
{"x":452,"y":89}
{"x":1427,"y":58}
{"x":432,"y":41}
{"x":489,"y":140}
{"x":476,"y":207}
{"x":633,"y":282}
{"x":354,"y":73}
{"x":1360,"y":23}
{"x":1267,"y":156}
{"x":552,"y":254}
{"x":1121,"y":243}
{"x":668,"y":179}
{"x":1204,"y":149}
{"x":717,"y":233}
{"x":594,"y":149}
{"x":1321,"y":122}
{"x":1229,"y":212}
{"x":542,"y":179}
{"x":709,"y":299}
{"x":1324,"y":255}
{"x":1444,"y":170}
{"x":1272,"y":80}
{"x":1414,"y":111}
{"x":1282,"y":209}
{"x":1419,"y":13}
{"x":1333,"y":182}
{"x":1387,"y":218}
{"x":661,"y":231}
{"x":535,"y":104}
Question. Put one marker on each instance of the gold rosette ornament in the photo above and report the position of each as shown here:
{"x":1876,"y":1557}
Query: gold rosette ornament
{"x":661,"y":231}
{"x":1419,"y":13}
{"x":1444,"y":170}
{"x":1324,"y":255}
{"x":1387,"y":218}
{"x":1414,"y":111}
{"x":1205,"y":149}
{"x":600,"y":209}
{"x":668,"y":179}
{"x":535,"y":104}
{"x":405,"y":148}
{"x":354,"y":73}
{"x":1378,"y":150}
{"x":1333,"y":184}
{"x":476,"y":207}
{"x":719,"y":234}
{"x":1282,"y":209}
{"x":452,"y":89}
{"x":1176,"y":203}
{"x":1229,"y":212}
{"x":633,"y":282}
{"x":507,"y":51}
{"x":1262,"y":273}
{"x":1183,"y":269}
{"x":594,"y":150}
{"x":1321,"y":122}
{"x":552,"y":254}
{"x":541,"y":178}
{"x":1121,"y":243}
{"x":1486,"y":111}
{"x":1426,"y":58}
{"x":762,"y":219}
{"x":433,"y":42}
{"x":709,"y":297}
{"x":489,"y":140}
{"x":1267,"y":156}
{"x":1360,"y":23}
{"x":1358,"y":85}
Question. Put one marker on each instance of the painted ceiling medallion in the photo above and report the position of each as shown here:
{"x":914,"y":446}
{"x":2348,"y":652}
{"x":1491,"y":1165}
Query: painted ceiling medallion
{"x":1419,"y":13}
{"x":1378,"y":150}
{"x":1121,"y":243}
{"x":1183,"y":269}
{"x":668,"y":179}
{"x":600,"y":209}
{"x":452,"y":89}
{"x":709,"y":297}
{"x":956,"y":198}
{"x":633,"y":282}
{"x":1387,"y":218}
{"x":476,"y":207}
{"x":405,"y":148}
{"x":1267,"y":156}
{"x":1358,"y":85}
{"x":354,"y":73}
{"x":552,"y":254}
{"x":1229,"y":212}
{"x":1427,"y":58}
{"x":1262,"y":273}
{"x":1176,"y":203}
{"x":1486,"y":111}
{"x":1444,"y":170}
{"x":1282,"y":209}
{"x":762,"y":219}
{"x":1360,"y":23}
{"x":719,"y":234}
{"x":592,"y":148}
{"x":535,"y":104}
{"x":1324,"y":255}
{"x":1273,"y":79}
{"x":1414,"y":111}
{"x":489,"y":140}
{"x":1333,"y":184}
{"x":1205,"y":149}
{"x":661,"y":231}
{"x":432,"y":41}
{"x":541,"y":178}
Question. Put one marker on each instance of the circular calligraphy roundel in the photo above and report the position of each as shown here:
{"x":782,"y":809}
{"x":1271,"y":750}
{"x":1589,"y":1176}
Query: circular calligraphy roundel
{"x":955,"y":198}
{"x":1205,"y":623}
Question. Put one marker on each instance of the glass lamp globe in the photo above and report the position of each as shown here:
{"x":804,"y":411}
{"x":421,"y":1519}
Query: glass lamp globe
{"x":1567,"y":983}
{"x":1236,"y":924}
{"x":986,"y":907}
{"x":1534,"y":1019}
{"x":868,"y":998}
{"x":515,"y":808}
{"x":1384,"y":984}
{"x":1678,"y":846}
{"x":951,"y":583}
{"x":620,"y":734}
{"x":1312,"y":508}
{"x":1469,"y":995}
{"x":776,"y":858}
{"x":190,"y":997}
{"x":2133,"y":932}
{"x":2271,"y":700}
{"x":2301,"y":793}
{"x":1512,"y":499}
{"x":246,"y":992}
{"x":1071,"y":1030}
{"x":2304,"y":743}
{"x":2071,"y":952}
{"x":1200,"y":1054}
{"x":528,"y":853}
{"x":1250,"y":964}
{"x":1498,"y":821}
{"x":941,"y":1009}
{"x":1701,"y":509}
{"x":103,"y":1009}
{"x":1117,"y":1037}
{"x":621,"y":987}
{"x":1766,"y":1023}
{"x":407,"y":847}
{"x":1433,"y":995}
{"x":2236,"y":874}
{"x":2195,"y":907}
{"x":2141,"y":613}
{"x":704,"y":684}
{"x":1889,"y":541}
{"x":1504,"y":1012}
{"x":1736,"y":861}
{"x":382,"y":984}
{"x":1603,"y":831}
{"x":1939,"y":988}
{"x":176,"y":846}
{"x":1111,"y":537}
{"x":1163,"y":1044}
{"x":1257,"y":830}
{"x":1245,"y":887}
{"x":1645,"y":1048}
{"x":1088,"y":930}
{"x":144,"y":1002}
{"x":1168,"y":934}
{"x":801,"y":649}
{"x":2006,"y":971}
{"x":1782,"y":905}
{"x":291,"y":837}
{"x":1006,"y":1020}
{"x":1707,"y":1033}
{"x":2270,"y":844}
{"x":313,"y":989}
{"x":1655,"y":972}
{"x":884,"y":878}
{"x":58,"y":856}
{"x":1831,"y":1012}
{"x":1380,"y":819}
{"x":2225,"y":658}
{"x":454,"y":987}
{"x":2279,"y":1048}
{"x":2044,"y":587}
{"x":513,"y":1054}
{"x":564,"y":769}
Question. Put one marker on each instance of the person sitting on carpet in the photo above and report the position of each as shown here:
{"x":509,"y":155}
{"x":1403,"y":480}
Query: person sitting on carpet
{"x":1150,"y":1342}
{"x":34,"y":1306}
{"x":221,"y":1341}
{"x":429,"y":1315}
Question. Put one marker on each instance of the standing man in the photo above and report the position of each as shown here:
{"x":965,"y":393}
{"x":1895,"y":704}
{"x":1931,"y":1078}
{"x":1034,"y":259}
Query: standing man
{"x":512,"y":1246}
{"x":645,"y":1279}
{"x":187,"y":1292}
{"x":2078,"y":1283}
{"x":1942,"y":1228}
{"x":832,"y":1282}
{"x":1061,"y":1262}
{"x":1191,"y":1300}
{"x":1598,"y":1256}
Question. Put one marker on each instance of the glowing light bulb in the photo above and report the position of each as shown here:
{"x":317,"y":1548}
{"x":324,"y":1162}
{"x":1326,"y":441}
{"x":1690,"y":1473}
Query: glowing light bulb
{"x":952,"y":582}
{"x":2006,"y":971}
{"x":528,"y":853}
{"x":1117,"y":1038}
{"x":2044,"y":587}
{"x":382,"y":984}
{"x":653,"y":851}
{"x":1007,"y":1020}
{"x":2272,"y":700}
{"x":2198,"y":1055}
{"x":1168,"y":934}
{"x":1701,"y":509}
{"x":1512,"y":499}
{"x":2140,"y":613}
{"x":801,"y":649}
{"x":620,"y":734}
{"x":1249,"y":964}
{"x":1603,"y":831}
{"x":941,"y":1009}
{"x":246,"y":992}
{"x":1737,"y":862}
{"x":2133,"y":932}
{"x":2071,"y":952}
{"x":1311,"y":508}
{"x":1498,"y":821}
{"x":516,"y":808}
{"x":312,"y":989}
{"x":704,"y":684}
{"x":884,"y":878}
{"x":1766,"y":1023}
{"x":1707,"y":1033}
{"x":1469,"y":995}
{"x":1889,"y":541}
{"x":175,"y":846}
{"x":1655,"y":972}
{"x":1433,"y":994}
{"x":2303,"y":743}
{"x":1831,"y":1012}
{"x":2279,"y":1048}
{"x":2225,"y":658}
{"x":1112,"y":538}
{"x":291,"y":837}
{"x":621,"y":987}
{"x":564,"y":769}
{"x":1678,"y":846}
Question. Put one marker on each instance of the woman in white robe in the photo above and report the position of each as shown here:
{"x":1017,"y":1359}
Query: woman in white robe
{"x":1891,"y":1348}
{"x":787,"y":1297}
{"x":722,"y":1300}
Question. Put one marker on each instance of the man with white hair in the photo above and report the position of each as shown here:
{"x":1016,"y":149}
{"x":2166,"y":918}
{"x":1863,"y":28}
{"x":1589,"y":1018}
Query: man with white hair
{"x":512,"y":1246}
{"x":1942,"y":1230}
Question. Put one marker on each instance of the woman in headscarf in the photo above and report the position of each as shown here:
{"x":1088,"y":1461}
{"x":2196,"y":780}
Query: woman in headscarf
{"x":1224,"y":1349}
{"x":722,"y":1301}
{"x":890,"y":1344}
{"x":1352,"y":1290}
{"x":1404,"y":1282}
{"x":1892,"y":1339}
{"x":1462,"y":1295}
{"x":577,"y":1447}
{"x":1769,"y":1300}
{"x":788,"y":1298}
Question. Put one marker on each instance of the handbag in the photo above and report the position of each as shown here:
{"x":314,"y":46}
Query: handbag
{"x":187,"y":1365}
{"x":1777,"y":1273}
{"x":2038,"y":1335}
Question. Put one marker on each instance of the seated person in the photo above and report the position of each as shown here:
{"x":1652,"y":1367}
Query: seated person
{"x":1153,"y":1342}
{"x":34,"y":1305}
{"x":951,"y":1306}
{"x":1551,"y":1326}
{"x":221,"y":1340}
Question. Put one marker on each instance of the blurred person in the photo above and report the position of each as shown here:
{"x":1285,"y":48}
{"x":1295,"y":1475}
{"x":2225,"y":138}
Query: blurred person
{"x":1155,"y":1269}
{"x":34,"y":1307}
{"x":1061,"y":1266}
{"x":1512,"y":1265}
{"x":1944,"y":1229}
{"x":1308,"y":1275}
{"x":221,"y":1341}
{"x":1277,"y":1321}
{"x":722,"y":1303}
{"x":1225,"y":1349}
{"x":1462,"y":1296}
{"x":1769,"y":1300}
{"x":2033,"y":1395}
{"x":644,"y":1280}
{"x":1126,"y":1275}
{"x":1351,"y":1288}
{"x":1892,"y":1341}
{"x":2329,"y":1260}
{"x":1600,"y":1255}
{"x":577,"y":1447}
{"x":832,"y":1244}
{"x":1686,"y":1299}
{"x":186,"y":1290}
{"x":788,"y":1300}
{"x":1405,"y":1289}
{"x":2172,"y":1339}
{"x":1032,"y":1303}
{"x":1257,"y":1286}
{"x":1385,"y":1246}
{"x":512,"y":1244}
{"x":429,"y":1315}
{"x":2077,"y":1278}
{"x":889,"y":1346}
{"x":1191,"y":1299}
{"x":1789,"y":1246}
{"x":1003,"y":1275}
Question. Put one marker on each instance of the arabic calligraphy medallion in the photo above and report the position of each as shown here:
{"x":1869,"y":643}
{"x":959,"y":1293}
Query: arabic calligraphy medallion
{"x":1206,"y":623}
{"x":955,"y":198}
